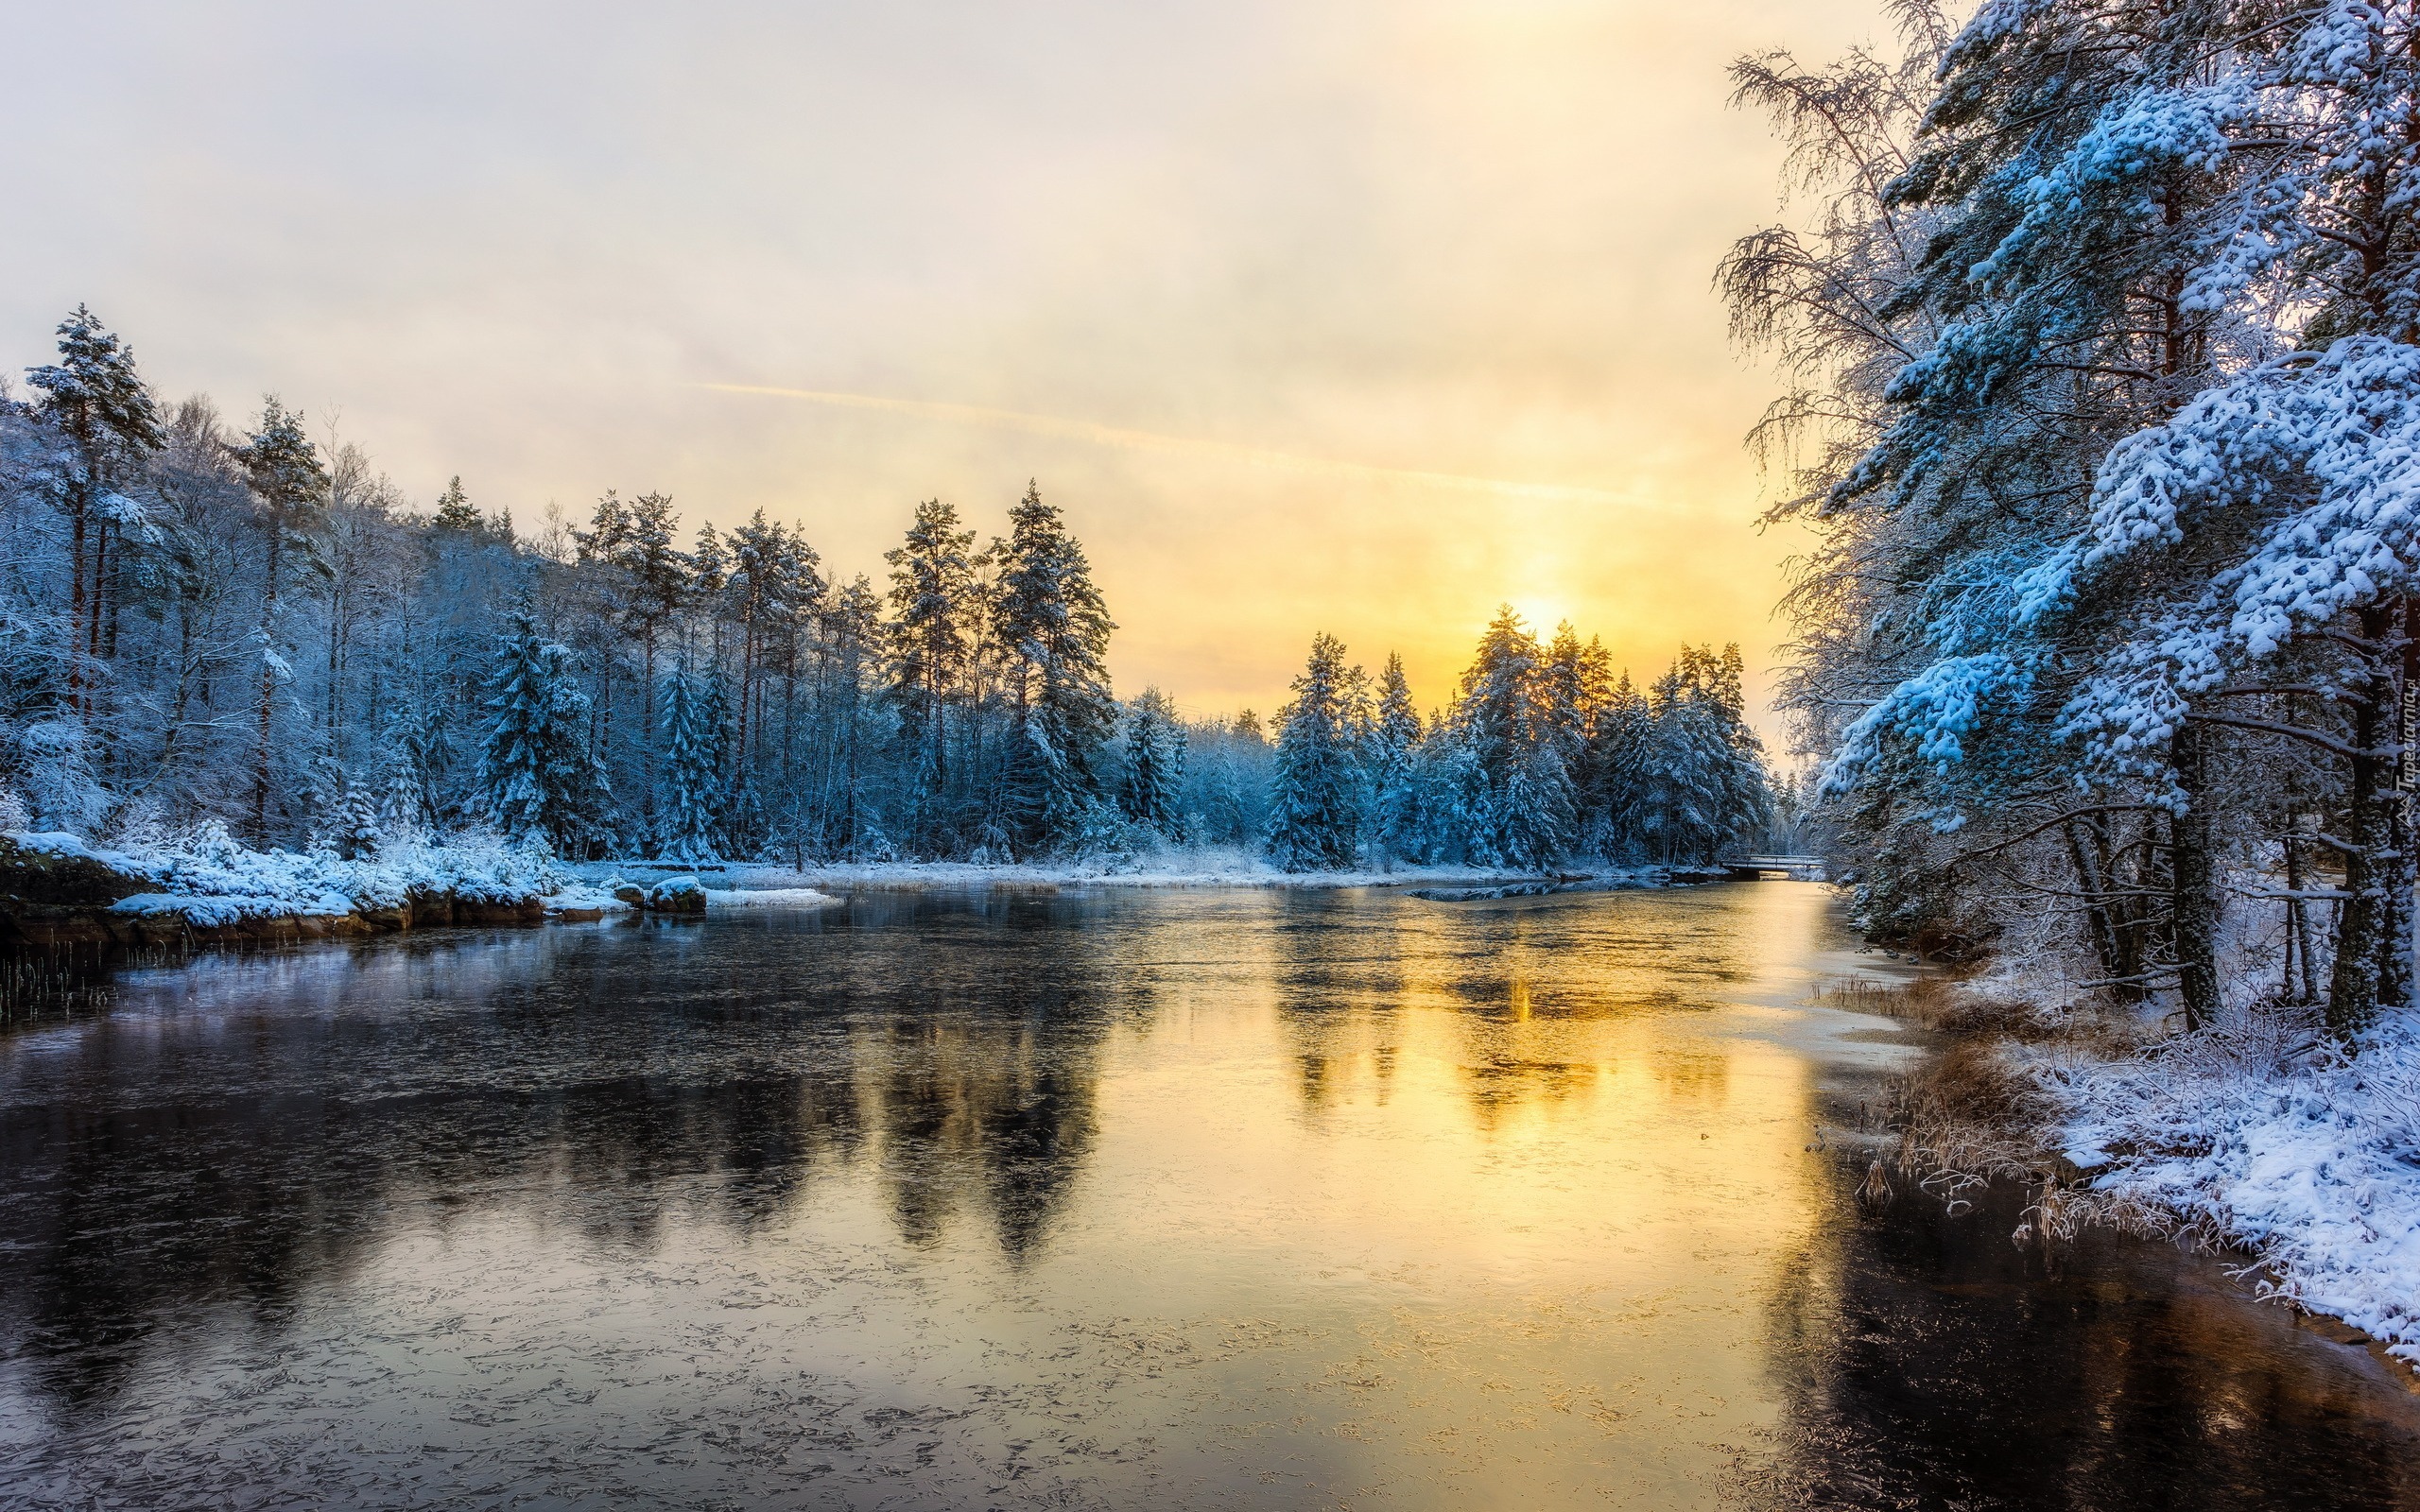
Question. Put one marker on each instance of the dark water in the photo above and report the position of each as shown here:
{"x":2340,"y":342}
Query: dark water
{"x":1120,"y":1199}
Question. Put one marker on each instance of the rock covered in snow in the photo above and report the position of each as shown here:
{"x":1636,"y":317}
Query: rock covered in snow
{"x":677,"y":895}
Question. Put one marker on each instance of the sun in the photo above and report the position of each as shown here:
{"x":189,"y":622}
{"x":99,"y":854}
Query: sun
{"x":1541,"y":614}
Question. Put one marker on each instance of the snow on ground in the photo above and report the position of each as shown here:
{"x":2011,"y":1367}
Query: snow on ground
{"x":574,"y":897}
{"x":769,"y":898}
{"x":210,"y":879}
{"x":2267,"y":1136}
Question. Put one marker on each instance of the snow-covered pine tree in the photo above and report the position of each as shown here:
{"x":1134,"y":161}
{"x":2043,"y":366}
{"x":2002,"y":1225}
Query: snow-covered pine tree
{"x":454,"y":510}
{"x":1529,"y":816}
{"x":647,"y":578}
{"x":1614,"y":821}
{"x":1156,"y":751}
{"x":934,"y":603}
{"x":2137,"y":397}
{"x":1394,"y":750}
{"x":689,"y":809}
{"x":1456,"y":811}
{"x":96,"y":403}
{"x":289,"y":486}
{"x":1052,"y":631}
{"x":417,"y":758}
{"x":1226,"y":817}
{"x":1315,"y":821}
{"x":354,"y":831}
{"x":537,"y":781}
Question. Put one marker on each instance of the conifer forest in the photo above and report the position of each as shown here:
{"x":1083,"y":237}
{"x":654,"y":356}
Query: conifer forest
{"x":215,"y":620}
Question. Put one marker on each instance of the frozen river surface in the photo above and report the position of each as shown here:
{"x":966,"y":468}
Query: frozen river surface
{"x":1113,"y":1199}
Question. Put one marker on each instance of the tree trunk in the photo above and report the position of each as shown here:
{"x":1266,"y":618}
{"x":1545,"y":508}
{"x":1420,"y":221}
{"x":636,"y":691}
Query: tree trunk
{"x":2365,"y":926}
{"x":647,"y":733}
{"x":268,"y":695}
{"x":90,"y":630}
{"x":2089,"y":881}
{"x":79,"y":505}
{"x":2194,"y":893}
{"x":2297,"y":920}
{"x":2398,"y":870}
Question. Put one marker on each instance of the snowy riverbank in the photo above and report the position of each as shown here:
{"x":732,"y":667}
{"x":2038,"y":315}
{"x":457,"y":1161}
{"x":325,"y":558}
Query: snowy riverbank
{"x":56,"y":888}
{"x":2267,"y":1137}
{"x":2259,"y":1137}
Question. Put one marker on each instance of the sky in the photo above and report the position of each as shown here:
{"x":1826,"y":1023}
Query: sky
{"x":1314,"y":315}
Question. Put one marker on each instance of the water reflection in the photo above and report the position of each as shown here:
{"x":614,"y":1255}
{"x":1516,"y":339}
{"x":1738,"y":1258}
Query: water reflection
{"x":1105,"y":1198}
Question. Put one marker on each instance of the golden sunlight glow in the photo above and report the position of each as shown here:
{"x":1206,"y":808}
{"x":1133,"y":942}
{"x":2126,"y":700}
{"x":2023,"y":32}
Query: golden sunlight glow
{"x":1196,"y":446}
{"x":1324,"y":316}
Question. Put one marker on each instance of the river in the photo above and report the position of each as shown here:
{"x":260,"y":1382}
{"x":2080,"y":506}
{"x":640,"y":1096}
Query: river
{"x":1107,"y":1198}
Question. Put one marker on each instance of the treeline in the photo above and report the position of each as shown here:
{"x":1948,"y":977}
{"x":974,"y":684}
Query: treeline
{"x":1544,"y":754}
{"x":2107,"y":337}
{"x":209,"y":621}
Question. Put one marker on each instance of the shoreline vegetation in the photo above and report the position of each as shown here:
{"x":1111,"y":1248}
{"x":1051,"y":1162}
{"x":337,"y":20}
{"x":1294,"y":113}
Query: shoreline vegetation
{"x":206,"y":622}
{"x":2100,"y":338}
{"x":2282,"y":1153}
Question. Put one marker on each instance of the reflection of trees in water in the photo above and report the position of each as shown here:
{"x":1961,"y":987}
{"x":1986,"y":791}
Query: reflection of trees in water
{"x":2133,"y":1378}
{"x":1528,"y":983}
{"x":242,"y":1129}
{"x":1339,"y":971}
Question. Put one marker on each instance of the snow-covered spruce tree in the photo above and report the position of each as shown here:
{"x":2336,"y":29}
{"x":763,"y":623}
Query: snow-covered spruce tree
{"x":689,"y":808}
{"x":1615,"y":802}
{"x":454,"y":510}
{"x":1578,"y":681}
{"x":1527,"y":814}
{"x":1315,"y":819}
{"x":934,"y":604}
{"x":290,"y":489}
{"x":419,"y":755}
{"x":537,"y":780}
{"x":94,"y":402}
{"x":353,"y":830}
{"x":1155,"y":753}
{"x":1393,"y":756}
{"x":1052,"y":631}
{"x":1700,"y":782}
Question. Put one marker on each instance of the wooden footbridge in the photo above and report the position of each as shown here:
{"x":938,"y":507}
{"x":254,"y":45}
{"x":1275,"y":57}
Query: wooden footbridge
{"x":1789,"y":868}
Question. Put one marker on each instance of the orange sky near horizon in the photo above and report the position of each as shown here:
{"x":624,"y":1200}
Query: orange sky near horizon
{"x":1353,"y":317}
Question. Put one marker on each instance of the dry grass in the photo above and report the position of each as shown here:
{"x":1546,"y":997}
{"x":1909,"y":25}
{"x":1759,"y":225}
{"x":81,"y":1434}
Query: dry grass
{"x":1966,"y":1118}
{"x":35,"y":985}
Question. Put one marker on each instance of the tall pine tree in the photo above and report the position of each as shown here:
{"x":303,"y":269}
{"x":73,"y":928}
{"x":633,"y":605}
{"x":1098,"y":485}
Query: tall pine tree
{"x":1315,"y":821}
{"x":1155,"y":746}
{"x":689,"y":809}
{"x":99,"y":405}
{"x":1053,"y":629}
{"x":537,"y":781}
{"x":290,"y":487}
